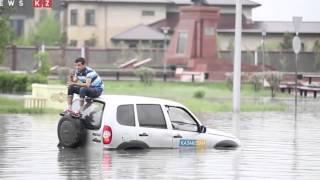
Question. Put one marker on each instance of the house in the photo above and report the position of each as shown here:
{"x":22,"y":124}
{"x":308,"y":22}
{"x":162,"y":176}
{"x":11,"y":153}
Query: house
{"x":134,"y":23}
{"x":94,"y":23}
{"x":103,"y":21}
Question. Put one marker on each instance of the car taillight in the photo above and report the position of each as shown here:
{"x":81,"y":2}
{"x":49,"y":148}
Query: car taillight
{"x":107,"y":135}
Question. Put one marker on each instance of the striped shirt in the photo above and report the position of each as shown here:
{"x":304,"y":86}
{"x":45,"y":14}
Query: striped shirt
{"x":89,"y":73}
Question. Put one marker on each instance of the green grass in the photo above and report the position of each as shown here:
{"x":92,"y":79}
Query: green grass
{"x":16,"y":106}
{"x":217,"y":96}
{"x":184,"y":93}
{"x":180,"y":89}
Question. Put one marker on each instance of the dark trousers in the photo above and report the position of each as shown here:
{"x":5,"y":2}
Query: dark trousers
{"x":83,"y":91}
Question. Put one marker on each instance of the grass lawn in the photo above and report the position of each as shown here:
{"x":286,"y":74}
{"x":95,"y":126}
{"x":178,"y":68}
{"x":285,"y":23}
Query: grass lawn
{"x":16,"y":106}
{"x":184,"y":93}
{"x":217,"y":96}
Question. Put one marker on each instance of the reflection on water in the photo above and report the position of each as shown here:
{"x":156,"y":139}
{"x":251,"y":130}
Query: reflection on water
{"x":274,"y":146}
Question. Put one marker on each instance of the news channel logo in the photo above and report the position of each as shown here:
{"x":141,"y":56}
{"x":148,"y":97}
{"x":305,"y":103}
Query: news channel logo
{"x":22,"y":3}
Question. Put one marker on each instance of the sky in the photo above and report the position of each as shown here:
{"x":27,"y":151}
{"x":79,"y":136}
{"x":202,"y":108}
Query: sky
{"x":284,"y":10}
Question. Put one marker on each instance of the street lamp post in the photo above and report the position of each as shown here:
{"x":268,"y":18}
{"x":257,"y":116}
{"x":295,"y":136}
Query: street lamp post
{"x":165,"y":31}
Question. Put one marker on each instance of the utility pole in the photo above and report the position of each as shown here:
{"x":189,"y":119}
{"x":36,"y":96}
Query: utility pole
{"x":296,"y":45}
{"x":165,"y":31}
{"x":237,"y":58}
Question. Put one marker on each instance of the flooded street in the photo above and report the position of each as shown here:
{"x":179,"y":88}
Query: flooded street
{"x":274,"y":146}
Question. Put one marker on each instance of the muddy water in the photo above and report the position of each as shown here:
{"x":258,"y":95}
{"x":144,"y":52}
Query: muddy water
{"x":274,"y":146}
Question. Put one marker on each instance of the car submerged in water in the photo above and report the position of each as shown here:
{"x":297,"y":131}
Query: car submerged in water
{"x":133,"y":122}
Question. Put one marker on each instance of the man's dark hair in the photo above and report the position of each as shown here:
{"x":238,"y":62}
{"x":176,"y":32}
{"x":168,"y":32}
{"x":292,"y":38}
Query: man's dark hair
{"x":80,"y":59}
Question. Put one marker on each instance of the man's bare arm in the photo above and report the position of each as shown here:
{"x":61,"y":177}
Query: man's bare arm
{"x":86,"y":84}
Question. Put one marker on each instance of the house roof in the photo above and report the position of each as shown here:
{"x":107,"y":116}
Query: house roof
{"x":277,"y":27}
{"x":219,"y":2}
{"x":178,"y":2}
{"x":227,"y":25}
{"x":123,"y":1}
{"x":140,"y":32}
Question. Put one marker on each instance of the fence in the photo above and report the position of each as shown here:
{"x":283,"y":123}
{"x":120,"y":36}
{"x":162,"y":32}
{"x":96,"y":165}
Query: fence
{"x":22,"y":58}
{"x":280,"y":61}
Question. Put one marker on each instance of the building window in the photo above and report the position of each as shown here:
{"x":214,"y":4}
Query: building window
{"x":148,"y":13}
{"x":74,"y":17}
{"x":18,"y":26}
{"x":90,"y":17}
{"x":182,"y":43}
{"x":90,"y":43}
{"x":73,"y":43}
{"x":132,"y":45}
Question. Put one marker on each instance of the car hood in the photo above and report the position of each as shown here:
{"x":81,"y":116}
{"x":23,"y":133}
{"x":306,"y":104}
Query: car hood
{"x":220,"y":133}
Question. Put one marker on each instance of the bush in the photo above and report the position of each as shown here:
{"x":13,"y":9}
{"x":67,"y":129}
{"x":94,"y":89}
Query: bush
{"x":44,"y":68}
{"x":13,"y":82}
{"x":199,"y":94}
{"x":146,"y":75}
{"x":37,"y":78}
{"x":257,"y":80}
{"x":229,"y":81}
{"x":274,"y":79}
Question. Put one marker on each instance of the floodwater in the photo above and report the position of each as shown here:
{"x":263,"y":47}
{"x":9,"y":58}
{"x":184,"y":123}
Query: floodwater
{"x":274,"y":146}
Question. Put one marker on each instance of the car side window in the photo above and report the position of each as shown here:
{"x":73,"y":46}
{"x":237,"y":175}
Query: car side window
{"x":92,"y":114}
{"x":181,"y":119}
{"x":151,"y":115}
{"x":125,"y":115}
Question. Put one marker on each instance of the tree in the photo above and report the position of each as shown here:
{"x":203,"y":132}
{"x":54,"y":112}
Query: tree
{"x":286,"y":43}
{"x":274,"y":79}
{"x":47,"y":31}
{"x":5,"y":31}
{"x":316,"y":51}
{"x":44,"y":65}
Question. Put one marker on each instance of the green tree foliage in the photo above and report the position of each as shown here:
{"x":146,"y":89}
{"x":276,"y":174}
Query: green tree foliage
{"x":47,"y":31}
{"x":286,"y":43}
{"x":44,"y":68}
{"x":316,"y":50}
{"x":5,"y":31}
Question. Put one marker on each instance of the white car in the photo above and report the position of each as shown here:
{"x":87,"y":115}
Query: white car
{"x":132,"y":122}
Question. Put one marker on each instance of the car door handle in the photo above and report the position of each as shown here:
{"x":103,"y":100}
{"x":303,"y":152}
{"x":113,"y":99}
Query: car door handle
{"x":177,"y":136}
{"x":96,"y":140}
{"x":143,"y":134}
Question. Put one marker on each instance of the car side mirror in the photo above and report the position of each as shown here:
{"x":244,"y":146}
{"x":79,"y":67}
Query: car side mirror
{"x":203,"y":129}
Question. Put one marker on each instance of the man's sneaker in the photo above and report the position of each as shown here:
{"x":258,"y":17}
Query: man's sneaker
{"x":76,"y":114}
{"x":67,"y":111}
